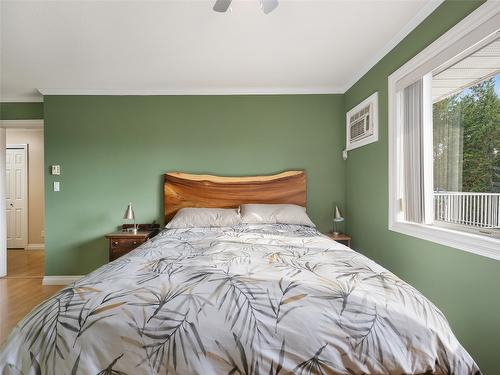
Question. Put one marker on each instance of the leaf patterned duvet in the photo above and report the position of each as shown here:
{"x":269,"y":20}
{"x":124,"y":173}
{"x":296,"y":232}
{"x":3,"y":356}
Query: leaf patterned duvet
{"x":250,"y":299}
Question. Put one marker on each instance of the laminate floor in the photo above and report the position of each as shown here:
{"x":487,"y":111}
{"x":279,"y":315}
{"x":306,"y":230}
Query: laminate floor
{"x":25,"y":263}
{"x":22,"y":289}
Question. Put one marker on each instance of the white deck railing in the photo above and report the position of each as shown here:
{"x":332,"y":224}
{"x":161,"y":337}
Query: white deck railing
{"x":473,"y":209}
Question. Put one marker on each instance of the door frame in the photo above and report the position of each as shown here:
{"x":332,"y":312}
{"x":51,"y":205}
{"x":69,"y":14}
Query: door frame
{"x":10,"y":124}
{"x":25,"y":182}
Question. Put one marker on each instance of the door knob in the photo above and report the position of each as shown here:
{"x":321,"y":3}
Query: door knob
{"x":12,"y":204}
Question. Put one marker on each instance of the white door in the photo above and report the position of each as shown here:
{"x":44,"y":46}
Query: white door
{"x":16,"y":194}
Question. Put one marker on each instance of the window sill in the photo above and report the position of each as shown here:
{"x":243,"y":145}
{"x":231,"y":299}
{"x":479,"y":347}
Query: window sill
{"x":470,"y":242}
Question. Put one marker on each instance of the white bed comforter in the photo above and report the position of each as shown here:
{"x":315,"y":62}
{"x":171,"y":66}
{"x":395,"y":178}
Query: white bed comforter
{"x":274,"y":299}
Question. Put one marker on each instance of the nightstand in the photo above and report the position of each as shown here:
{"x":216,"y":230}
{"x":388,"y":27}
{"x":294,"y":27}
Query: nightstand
{"x":342,"y":238}
{"x":120,"y":243}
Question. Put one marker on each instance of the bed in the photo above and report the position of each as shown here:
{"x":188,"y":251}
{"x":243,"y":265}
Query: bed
{"x":244,"y":299}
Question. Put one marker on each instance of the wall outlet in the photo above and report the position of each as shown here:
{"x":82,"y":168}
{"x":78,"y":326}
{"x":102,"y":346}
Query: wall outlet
{"x":57,"y":186}
{"x":56,"y":170}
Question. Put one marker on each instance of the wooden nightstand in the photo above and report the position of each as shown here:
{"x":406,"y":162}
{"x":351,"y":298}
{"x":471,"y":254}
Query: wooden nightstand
{"x":120,"y":243}
{"x":342,"y":238}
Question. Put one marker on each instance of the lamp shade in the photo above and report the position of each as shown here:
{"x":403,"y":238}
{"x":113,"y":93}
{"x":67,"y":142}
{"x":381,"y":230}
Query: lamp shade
{"x":338,"y":215}
{"x":129,"y":213}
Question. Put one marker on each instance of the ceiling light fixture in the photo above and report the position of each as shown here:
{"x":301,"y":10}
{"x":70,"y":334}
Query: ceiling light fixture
{"x":267,"y":6}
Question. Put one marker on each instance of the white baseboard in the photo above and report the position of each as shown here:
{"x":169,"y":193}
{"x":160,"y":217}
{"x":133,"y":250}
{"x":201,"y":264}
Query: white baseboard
{"x":60,"y":280}
{"x":35,"y":246}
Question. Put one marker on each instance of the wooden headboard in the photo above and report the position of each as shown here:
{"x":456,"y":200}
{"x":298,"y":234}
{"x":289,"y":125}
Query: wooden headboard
{"x":195,"y":190}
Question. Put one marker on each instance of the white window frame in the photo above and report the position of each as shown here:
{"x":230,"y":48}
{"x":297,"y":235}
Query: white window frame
{"x":480,"y":24}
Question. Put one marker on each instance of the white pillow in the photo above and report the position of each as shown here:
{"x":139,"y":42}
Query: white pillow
{"x":205,"y":217}
{"x":275,"y":214}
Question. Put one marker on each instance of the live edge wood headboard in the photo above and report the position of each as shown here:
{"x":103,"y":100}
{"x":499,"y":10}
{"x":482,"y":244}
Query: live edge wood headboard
{"x":196,"y":190}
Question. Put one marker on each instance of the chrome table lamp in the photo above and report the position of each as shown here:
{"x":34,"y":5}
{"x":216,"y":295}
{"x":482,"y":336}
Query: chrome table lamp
{"x":337,"y":219}
{"x":130,"y":215}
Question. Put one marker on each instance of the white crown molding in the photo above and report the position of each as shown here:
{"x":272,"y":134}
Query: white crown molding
{"x":195,"y":91}
{"x":60,"y":280}
{"x":38,"y":129}
{"x":425,"y":12}
{"x":25,"y":99}
{"x":460,"y":33}
{"x":21,"y":124}
{"x":409,"y":27}
{"x":35,"y":246}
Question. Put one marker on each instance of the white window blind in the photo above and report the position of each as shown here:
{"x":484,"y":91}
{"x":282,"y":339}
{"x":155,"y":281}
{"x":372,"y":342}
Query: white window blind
{"x":413,"y":152}
{"x":416,"y":130}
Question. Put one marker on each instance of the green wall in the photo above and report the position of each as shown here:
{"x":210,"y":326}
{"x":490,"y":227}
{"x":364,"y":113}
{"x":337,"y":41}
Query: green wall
{"x":464,"y":286}
{"x":21,"y":111}
{"x":115,"y":149}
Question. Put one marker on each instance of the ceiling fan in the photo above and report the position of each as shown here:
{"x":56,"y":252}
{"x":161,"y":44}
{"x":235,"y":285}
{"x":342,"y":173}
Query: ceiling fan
{"x":267,"y":5}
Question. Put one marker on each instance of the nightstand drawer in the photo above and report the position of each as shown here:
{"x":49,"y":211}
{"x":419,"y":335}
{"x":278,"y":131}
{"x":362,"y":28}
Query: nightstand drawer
{"x":120,"y":243}
{"x":125,"y":243}
{"x":116,"y":253}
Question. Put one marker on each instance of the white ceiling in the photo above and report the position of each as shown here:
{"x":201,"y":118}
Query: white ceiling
{"x":182,"y":47}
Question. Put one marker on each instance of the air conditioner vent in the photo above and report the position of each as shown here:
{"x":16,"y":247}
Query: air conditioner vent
{"x":362,"y":123}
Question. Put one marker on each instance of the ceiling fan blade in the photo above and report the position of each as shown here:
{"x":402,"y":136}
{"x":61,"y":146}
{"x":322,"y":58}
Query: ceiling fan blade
{"x":222,"y":5}
{"x":268,"y":5}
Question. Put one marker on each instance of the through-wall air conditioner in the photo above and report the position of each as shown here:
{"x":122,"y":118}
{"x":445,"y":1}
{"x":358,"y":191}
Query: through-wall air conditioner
{"x":362,"y":123}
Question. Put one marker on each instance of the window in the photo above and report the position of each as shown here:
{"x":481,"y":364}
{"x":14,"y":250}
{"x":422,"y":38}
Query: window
{"x":444,"y":138}
{"x":466,"y":145}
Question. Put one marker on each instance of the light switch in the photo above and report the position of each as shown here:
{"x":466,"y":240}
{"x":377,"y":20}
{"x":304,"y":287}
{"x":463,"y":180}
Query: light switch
{"x":57,"y":186}
{"x":56,"y":170}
